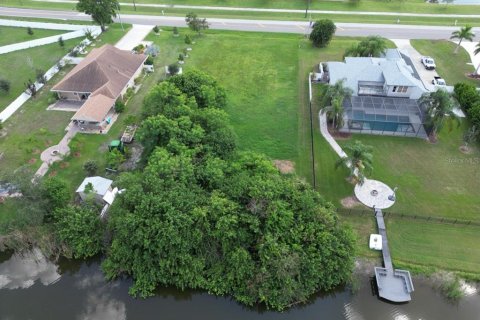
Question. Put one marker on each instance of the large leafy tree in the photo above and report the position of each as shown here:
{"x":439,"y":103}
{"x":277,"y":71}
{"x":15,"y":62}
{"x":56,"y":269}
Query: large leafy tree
{"x":102,"y":11}
{"x":372,"y":46}
{"x":439,"y":105}
{"x":80,"y":229}
{"x":201,"y":86}
{"x":202,"y":215}
{"x":322,"y":32}
{"x":464,"y":33}
{"x":359,"y":161}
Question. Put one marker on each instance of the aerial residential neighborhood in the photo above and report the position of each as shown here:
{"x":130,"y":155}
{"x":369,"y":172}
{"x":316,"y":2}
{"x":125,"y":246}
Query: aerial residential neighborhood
{"x":284,"y":159}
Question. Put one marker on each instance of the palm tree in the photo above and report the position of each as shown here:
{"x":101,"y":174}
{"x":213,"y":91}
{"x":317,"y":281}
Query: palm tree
{"x":439,"y":106}
{"x":359,"y":161}
{"x":334,"y":97}
{"x":464,"y":33}
{"x":372,"y":46}
{"x":477,"y":51}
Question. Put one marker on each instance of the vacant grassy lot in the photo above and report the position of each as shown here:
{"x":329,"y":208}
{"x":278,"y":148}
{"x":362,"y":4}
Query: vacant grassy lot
{"x":452,"y":67}
{"x":10,"y":35}
{"x":19,"y":66}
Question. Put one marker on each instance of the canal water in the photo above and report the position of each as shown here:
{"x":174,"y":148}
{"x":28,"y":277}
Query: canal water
{"x":31,"y":287}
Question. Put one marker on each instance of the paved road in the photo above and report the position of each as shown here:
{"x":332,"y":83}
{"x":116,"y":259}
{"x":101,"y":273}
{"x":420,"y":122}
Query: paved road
{"x":344,"y":29}
{"x":311,"y":11}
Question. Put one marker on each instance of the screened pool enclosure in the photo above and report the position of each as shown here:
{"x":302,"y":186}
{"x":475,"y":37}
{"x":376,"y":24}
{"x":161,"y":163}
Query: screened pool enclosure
{"x":384,"y":116}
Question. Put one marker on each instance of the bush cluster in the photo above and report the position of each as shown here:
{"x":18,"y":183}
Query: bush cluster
{"x":469,"y":99}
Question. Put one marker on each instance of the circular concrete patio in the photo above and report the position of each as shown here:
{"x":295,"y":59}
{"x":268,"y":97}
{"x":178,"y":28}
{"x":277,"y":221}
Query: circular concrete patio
{"x":374,"y":193}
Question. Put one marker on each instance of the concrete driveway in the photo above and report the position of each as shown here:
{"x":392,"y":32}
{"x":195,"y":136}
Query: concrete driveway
{"x":425,"y":75}
{"x":134,"y":36}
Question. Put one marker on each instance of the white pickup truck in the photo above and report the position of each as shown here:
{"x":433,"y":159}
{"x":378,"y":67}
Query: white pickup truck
{"x":428,"y":63}
{"x":438,"y":81}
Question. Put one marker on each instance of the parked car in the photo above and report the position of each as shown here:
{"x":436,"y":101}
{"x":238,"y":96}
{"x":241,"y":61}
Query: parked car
{"x":428,"y":63}
{"x":438,"y":81}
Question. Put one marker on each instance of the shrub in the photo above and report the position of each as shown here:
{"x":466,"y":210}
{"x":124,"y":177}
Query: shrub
{"x":30,"y":31}
{"x":173,"y":69}
{"x":156,"y":29}
{"x":474,"y":115}
{"x":89,"y":35}
{"x":119,"y":106}
{"x":322,"y":32}
{"x":40,"y":76}
{"x":452,"y":289}
{"x":114,"y":159}
{"x":139,"y":49}
{"x":130,"y":120}
{"x":467,"y":95}
{"x":149,"y":61}
{"x":188,"y":40}
{"x":61,"y":43}
{"x":152,"y":50}
{"x":181,"y":57}
{"x":4,"y":85}
{"x":175,"y":32}
{"x":90,"y":167}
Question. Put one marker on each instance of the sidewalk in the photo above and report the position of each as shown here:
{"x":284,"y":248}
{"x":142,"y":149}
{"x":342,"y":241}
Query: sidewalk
{"x":470,"y":47}
{"x":368,"y":13}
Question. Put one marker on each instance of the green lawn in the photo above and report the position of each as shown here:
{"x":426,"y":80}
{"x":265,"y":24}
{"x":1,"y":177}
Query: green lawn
{"x":10,"y":35}
{"x":452,"y":67}
{"x":412,"y":6}
{"x":19,"y":66}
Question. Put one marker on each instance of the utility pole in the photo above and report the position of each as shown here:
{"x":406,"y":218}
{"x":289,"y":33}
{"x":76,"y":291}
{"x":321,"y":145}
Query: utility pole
{"x":134,"y":5}
{"x":306,"y":10}
{"x":119,"y":18}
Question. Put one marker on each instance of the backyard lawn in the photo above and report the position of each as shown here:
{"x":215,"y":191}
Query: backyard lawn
{"x":452,"y":67}
{"x":10,"y":35}
{"x":32,"y":128}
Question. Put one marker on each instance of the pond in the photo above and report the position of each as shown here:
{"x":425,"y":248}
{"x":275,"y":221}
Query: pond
{"x":31,"y":287}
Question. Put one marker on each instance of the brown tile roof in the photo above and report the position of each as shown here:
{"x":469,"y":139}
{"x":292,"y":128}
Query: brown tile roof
{"x":95,"y":109}
{"x":106,"y":68}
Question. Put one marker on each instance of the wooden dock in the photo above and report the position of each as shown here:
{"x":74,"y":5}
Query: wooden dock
{"x":393,"y":285}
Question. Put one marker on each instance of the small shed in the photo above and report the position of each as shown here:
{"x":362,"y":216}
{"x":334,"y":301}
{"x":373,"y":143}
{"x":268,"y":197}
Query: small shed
{"x":100,"y":187}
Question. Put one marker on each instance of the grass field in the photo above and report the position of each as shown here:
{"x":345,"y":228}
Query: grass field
{"x":19,"y":66}
{"x":452,"y":67}
{"x":412,"y":6}
{"x":10,"y":35}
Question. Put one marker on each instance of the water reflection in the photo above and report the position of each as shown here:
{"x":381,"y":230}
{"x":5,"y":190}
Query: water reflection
{"x":82,"y":293}
{"x":22,"y":270}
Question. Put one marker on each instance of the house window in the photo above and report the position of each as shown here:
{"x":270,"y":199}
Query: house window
{"x":400,"y":89}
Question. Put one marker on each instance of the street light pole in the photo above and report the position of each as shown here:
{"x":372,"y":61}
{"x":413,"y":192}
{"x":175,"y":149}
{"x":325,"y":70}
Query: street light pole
{"x":120,"y":18}
{"x":134,"y":5}
{"x":306,"y":10}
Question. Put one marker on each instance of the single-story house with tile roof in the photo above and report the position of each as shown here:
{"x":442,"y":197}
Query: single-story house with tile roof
{"x":98,"y":81}
{"x":385,"y":93}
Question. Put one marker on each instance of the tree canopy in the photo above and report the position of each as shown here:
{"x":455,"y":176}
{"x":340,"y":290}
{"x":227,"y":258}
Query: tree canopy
{"x":102,"y":11}
{"x":203,"y":215}
{"x":322,"y":32}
